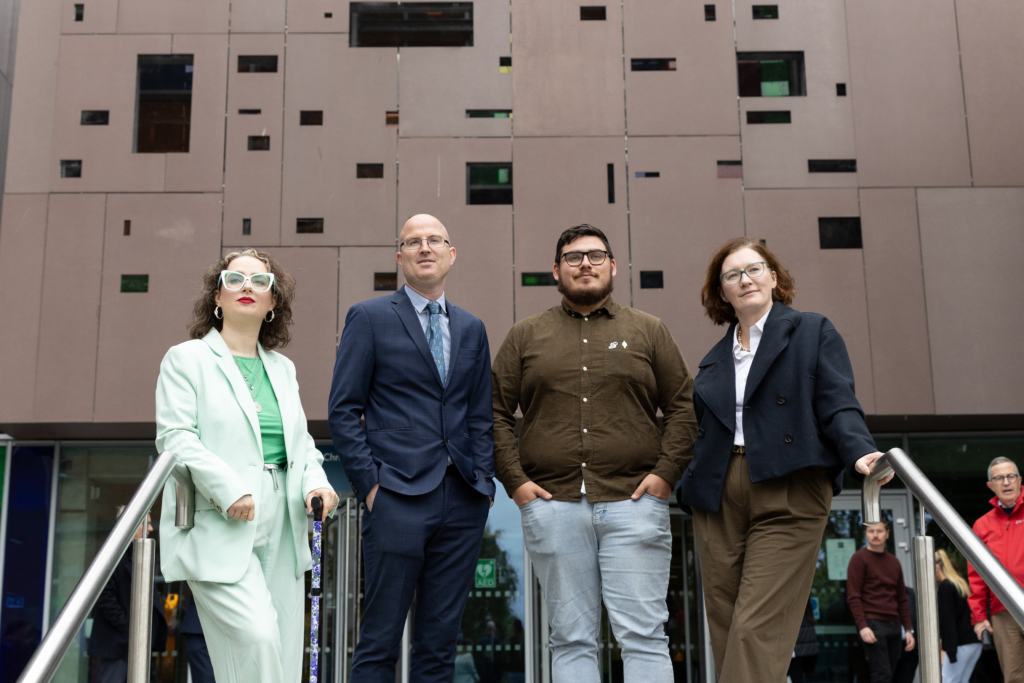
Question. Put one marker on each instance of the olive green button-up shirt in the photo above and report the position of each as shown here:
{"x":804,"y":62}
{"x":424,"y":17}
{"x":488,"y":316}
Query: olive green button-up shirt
{"x":590,"y":388}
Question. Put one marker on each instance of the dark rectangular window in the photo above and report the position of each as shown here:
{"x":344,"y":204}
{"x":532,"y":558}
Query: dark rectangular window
{"x":127,"y":228}
{"x":831,"y":165}
{"x":257,"y":64}
{"x":95,"y":117}
{"x":250,"y":112}
{"x":766,"y":11}
{"x":489,"y":183}
{"x":79,"y":12}
{"x":648,"y":174}
{"x":730,"y":169}
{"x":611,"y":183}
{"x":653,"y":64}
{"x":539,"y":279}
{"x":505,"y":65}
{"x":410,"y":24}
{"x":391,"y":118}
{"x":135,"y":284}
{"x":369,"y":170}
{"x":311,"y":118}
{"x":709,"y":12}
{"x":163,"y":104}
{"x":385,"y":282}
{"x":592,"y":13}
{"x":771,"y":74}
{"x":841,"y":89}
{"x":70,"y":168}
{"x":259,"y":143}
{"x":652,"y":279}
{"x":328,"y":15}
{"x":488,"y":113}
{"x":246,"y":226}
{"x":841,"y":232}
{"x":768,"y":117}
{"x":309,"y":226}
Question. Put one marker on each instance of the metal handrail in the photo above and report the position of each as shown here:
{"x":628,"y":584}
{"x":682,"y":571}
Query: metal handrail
{"x":47,"y":657}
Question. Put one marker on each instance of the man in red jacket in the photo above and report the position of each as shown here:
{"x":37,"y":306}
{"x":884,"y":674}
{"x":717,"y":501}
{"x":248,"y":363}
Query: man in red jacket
{"x":1002,"y":530}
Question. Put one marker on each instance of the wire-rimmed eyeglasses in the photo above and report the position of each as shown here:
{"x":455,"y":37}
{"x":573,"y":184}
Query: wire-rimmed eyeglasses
{"x":434,"y":242}
{"x":731,"y":278}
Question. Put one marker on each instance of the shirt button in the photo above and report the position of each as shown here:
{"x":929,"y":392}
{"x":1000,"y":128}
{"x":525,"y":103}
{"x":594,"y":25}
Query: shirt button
{"x":586,"y":319}
{"x":584,"y":368}
{"x":584,"y":431}
{"x":584,"y":400}
{"x":584,"y":464}
{"x":584,"y":341}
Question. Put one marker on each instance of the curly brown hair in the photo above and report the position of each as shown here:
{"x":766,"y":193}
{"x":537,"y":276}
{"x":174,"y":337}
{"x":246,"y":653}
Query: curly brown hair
{"x":721,"y":311}
{"x":274,"y":334}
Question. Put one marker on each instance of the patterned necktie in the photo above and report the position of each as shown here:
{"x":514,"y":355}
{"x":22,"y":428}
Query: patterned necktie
{"x":434,"y":340}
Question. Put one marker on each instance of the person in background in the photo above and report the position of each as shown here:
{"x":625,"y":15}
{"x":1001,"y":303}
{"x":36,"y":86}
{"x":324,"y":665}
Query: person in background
{"x":191,"y":634}
{"x":960,"y":645}
{"x":878,"y":601}
{"x":906,"y":666}
{"x":1002,"y":530}
{"x":108,"y":640}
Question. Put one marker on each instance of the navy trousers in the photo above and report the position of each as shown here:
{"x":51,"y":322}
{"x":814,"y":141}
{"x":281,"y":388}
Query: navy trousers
{"x":427,"y":545}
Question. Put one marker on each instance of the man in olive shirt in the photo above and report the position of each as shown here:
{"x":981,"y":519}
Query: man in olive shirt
{"x":593,"y":471}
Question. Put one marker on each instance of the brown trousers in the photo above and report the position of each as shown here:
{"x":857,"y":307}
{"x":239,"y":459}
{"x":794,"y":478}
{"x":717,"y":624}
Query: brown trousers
{"x":1009,"y":639}
{"x":757,"y":559}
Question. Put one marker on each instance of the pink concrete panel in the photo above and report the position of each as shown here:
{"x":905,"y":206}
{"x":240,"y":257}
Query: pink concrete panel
{"x":202,"y":169}
{"x":22,"y":250}
{"x":567,"y":76}
{"x":99,"y":72}
{"x":433,"y":180}
{"x":776,"y":155}
{"x":907,"y":93}
{"x":320,"y":161}
{"x":677,"y":221}
{"x":311,"y":17}
{"x":991,"y":52}
{"x":356,"y":266}
{"x":258,"y":16}
{"x":252,"y":179}
{"x":559,"y":183}
{"x":699,"y":96}
{"x":438,"y":84}
{"x":971,"y":241}
{"x":34,"y":97}
{"x":896,"y":302}
{"x":98,"y":16}
{"x":174,"y":16}
{"x":174,"y":239}
{"x":828,"y":281}
{"x":72,"y":271}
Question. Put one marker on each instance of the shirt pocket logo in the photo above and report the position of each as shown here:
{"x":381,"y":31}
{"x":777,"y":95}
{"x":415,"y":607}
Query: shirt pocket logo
{"x":613,"y":345}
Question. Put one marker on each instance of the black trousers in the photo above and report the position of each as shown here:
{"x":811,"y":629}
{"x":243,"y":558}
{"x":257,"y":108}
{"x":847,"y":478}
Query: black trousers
{"x":198,"y":658}
{"x":883,"y":654}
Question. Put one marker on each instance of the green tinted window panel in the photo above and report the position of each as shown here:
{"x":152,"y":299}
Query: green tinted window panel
{"x":539,"y":280}
{"x":134,"y":284}
{"x":490,"y":175}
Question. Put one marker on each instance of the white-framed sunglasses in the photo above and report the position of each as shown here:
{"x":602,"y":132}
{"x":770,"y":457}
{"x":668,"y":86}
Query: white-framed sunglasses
{"x":234,"y":281}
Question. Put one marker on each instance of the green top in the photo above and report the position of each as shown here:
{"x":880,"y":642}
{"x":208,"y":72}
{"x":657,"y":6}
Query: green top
{"x":271,"y":426}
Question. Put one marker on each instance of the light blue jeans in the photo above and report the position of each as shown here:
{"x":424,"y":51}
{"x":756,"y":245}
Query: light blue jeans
{"x":618,"y":552}
{"x":960,"y":671}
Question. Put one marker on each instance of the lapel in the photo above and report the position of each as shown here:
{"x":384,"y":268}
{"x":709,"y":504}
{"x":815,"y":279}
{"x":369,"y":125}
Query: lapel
{"x":716,"y":381}
{"x":455,"y":325}
{"x":279,"y":383}
{"x":403,"y":307}
{"x":226,"y":363}
{"x":781,"y":322}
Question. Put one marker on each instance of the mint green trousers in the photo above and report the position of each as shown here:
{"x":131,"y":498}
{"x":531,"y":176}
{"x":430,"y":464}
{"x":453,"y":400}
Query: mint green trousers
{"x":254,"y":628}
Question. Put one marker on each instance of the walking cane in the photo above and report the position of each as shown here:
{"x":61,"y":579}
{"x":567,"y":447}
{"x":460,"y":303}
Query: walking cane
{"x":315,"y":592}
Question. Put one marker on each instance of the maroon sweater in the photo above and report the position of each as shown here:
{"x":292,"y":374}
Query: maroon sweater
{"x":875,"y":589}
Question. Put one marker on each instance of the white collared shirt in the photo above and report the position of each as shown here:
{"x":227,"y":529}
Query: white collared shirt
{"x":742,"y":360}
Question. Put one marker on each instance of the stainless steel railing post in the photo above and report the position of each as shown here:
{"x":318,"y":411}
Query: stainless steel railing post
{"x":140,"y":618}
{"x":927,"y":610}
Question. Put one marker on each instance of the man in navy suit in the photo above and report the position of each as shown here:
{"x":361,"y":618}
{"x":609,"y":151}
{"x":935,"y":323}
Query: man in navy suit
{"x":418,"y":369}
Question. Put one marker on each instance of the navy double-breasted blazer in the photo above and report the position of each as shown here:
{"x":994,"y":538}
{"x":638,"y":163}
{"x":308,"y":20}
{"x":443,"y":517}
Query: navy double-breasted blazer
{"x":799,"y":407}
{"x":413,"y":421}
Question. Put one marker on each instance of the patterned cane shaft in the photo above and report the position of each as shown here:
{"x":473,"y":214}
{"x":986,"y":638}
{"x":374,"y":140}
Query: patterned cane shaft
{"x":314,"y":624}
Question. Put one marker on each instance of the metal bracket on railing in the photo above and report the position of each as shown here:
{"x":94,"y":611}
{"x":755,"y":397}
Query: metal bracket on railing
{"x":184,"y":497}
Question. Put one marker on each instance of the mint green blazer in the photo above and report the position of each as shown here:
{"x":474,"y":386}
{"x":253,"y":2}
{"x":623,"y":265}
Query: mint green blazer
{"x":205,"y":416}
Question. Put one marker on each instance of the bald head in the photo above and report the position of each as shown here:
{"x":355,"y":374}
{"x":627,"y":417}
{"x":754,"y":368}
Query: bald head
{"x":425,"y":266}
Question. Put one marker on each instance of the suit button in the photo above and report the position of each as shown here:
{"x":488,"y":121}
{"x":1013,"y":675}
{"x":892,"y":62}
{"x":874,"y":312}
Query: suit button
{"x":789,"y":438}
{"x":700,"y":431}
{"x":444,"y":402}
{"x":690,"y":472}
{"x":780,"y":400}
{"x":446,"y":439}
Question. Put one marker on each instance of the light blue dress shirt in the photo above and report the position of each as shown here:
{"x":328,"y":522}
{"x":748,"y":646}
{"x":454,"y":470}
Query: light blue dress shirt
{"x":420,"y":304}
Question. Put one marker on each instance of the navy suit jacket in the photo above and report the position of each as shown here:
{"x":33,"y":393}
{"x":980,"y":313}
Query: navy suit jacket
{"x":413,"y":422}
{"x":799,"y":408}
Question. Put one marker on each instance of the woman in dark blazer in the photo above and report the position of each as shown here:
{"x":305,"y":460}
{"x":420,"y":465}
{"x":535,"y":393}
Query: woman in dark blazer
{"x":778,"y":422}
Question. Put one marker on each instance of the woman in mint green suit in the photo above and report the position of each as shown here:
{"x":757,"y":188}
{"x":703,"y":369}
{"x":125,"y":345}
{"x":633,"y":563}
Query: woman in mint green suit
{"x":228,"y":406}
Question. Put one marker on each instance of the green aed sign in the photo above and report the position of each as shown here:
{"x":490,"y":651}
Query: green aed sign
{"x":486,"y":574}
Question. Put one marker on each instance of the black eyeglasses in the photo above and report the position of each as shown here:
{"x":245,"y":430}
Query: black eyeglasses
{"x":575,"y":258}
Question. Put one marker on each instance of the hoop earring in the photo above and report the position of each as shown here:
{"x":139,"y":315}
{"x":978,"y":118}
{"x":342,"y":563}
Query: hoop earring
{"x":217,"y":313}
{"x":272,"y":316}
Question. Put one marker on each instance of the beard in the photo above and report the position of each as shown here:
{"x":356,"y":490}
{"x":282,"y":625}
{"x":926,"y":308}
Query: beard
{"x":585,"y":297}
